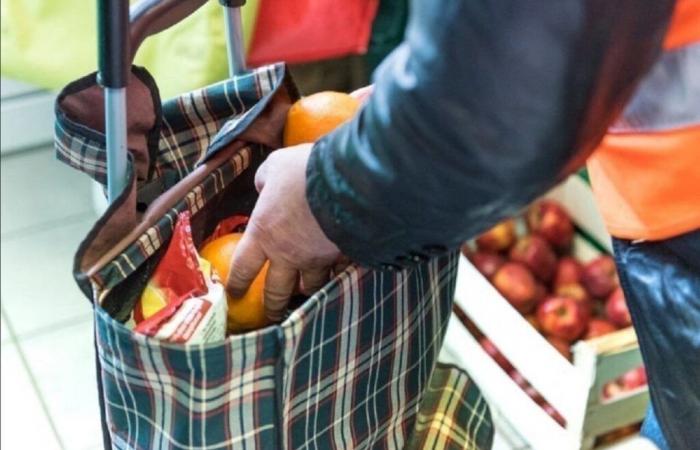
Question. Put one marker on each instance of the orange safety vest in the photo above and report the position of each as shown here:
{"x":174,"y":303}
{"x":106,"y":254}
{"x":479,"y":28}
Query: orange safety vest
{"x":646,"y":172}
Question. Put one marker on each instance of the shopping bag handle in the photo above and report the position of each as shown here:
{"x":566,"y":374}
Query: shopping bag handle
{"x":120,"y":33}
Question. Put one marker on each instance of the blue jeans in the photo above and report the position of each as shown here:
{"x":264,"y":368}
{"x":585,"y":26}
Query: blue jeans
{"x":661,"y":281}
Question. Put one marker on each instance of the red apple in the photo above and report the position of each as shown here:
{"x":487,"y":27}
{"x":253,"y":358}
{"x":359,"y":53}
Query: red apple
{"x":536,"y":254}
{"x":616,"y":435}
{"x":561,"y":345}
{"x":466,"y":250}
{"x":515,"y":282}
{"x":599,"y":276}
{"x":568,"y":272}
{"x":487,"y":263}
{"x":533,"y":321}
{"x":540,"y":292}
{"x":549,"y":219}
{"x":612,"y":389}
{"x":599,"y":327}
{"x":616,"y":309}
{"x":562,"y":317}
{"x":576,"y":292}
{"x":495,"y":353}
{"x":499,"y":238}
{"x":554,"y":414}
{"x":633,"y":379}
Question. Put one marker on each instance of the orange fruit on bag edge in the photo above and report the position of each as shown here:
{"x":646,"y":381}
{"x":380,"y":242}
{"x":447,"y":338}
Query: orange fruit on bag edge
{"x":245,"y":313}
{"x":312,"y":117}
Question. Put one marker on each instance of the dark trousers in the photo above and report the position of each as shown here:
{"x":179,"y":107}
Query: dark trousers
{"x":661,"y":282}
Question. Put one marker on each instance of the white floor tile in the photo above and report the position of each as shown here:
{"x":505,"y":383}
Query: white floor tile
{"x":23,"y":421}
{"x":35,"y":189}
{"x":63,"y":365}
{"x":500,"y":443}
{"x":4,"y":332}
{"x":37,"y":289}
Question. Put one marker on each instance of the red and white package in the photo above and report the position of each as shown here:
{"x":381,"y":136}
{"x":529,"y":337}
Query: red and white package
{"x":183,"y":302}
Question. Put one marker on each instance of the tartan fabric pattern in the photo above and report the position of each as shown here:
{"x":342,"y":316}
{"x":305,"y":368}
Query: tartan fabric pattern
{"x":163,"y":396}
{"x":153,"y":239}
{"x":190,"y":124}
{"x":349,"y":368}
{"x":453,"y":415}
{"x":361,"y":353}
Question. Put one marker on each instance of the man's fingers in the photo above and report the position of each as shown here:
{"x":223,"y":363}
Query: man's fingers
{"x":279,"y":285}
{"x":248,"y":259}
{"x":313,"y":280}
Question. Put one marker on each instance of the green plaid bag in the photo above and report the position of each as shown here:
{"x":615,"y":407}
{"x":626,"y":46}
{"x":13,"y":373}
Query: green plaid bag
{"x":354,"y":366}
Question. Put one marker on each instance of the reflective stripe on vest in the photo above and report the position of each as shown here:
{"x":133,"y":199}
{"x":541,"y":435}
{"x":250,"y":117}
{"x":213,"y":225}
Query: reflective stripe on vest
{"x":646,"y":171}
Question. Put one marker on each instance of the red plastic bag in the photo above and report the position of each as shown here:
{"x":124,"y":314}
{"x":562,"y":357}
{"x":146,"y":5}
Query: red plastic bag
{"x":310,"y":30}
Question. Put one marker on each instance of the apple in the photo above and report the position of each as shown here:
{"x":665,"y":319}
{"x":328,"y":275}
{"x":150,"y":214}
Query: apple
{"x":562,"y":317}
{"x":599,"y":327}
{"x":486,"y":262}
{"x":540,"y":292}
{"x":495,"y":354}
{"x":549,"y":219}
{"x":617,"y":434}
{"x":576,"y":292}
{"x":561,"y":345}
{"x":616,"y":309}
{"x":612,"y":389}
{"x":536,"y":254}
{"x":499,"y":238}
{"x":553,"y":413}
{"x":568,"y":271}
{"x":633,"y":379}
{"x":466,"y":250}
{"x":533,"y":321}
{"x":599,"y":276}
{"x":515,"y":282}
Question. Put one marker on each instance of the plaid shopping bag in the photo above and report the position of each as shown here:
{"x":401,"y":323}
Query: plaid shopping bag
{"x":354,"y":366}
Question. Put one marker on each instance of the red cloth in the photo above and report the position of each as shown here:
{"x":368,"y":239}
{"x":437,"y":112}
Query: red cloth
{"x":310,"y":30}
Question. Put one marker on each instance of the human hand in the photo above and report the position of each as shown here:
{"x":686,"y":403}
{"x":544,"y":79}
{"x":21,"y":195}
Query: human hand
{"x":283,"y":230}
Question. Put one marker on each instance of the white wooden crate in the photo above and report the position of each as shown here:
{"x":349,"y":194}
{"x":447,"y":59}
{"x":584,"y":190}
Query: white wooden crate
{"x":573,"y":389}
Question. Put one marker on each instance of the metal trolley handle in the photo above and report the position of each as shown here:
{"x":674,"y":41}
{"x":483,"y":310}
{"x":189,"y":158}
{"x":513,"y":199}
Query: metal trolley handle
{"x":120,"y":33}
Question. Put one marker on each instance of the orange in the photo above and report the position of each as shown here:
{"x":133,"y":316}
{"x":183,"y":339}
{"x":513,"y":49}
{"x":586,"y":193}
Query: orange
{"x":244,"y":313}
{"x":312,"y":117}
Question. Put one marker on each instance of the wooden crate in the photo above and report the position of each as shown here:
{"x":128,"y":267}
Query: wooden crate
{"x":574,"y":389}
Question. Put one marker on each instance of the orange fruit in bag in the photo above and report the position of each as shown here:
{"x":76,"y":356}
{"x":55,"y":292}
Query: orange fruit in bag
{"x":312,"y":117}
{"x":244,"y":313}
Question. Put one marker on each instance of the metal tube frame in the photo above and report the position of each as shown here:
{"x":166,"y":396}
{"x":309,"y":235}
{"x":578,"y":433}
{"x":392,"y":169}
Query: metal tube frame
{"x":116,"y":140}
{"x":234,"y":40}
{"x":115,"y":97}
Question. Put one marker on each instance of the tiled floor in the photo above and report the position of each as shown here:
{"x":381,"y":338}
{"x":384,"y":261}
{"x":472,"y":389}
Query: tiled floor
{"x":49,"y":397}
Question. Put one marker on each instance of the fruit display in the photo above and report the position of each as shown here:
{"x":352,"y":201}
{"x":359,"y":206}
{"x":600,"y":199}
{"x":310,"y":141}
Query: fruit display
{"x":565,"y":299}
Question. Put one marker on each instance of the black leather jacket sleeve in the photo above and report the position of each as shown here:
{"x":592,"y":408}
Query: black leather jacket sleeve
{"x":484,"y":106}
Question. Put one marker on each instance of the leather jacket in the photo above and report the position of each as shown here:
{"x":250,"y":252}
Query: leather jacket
{"x":482,"y":108}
